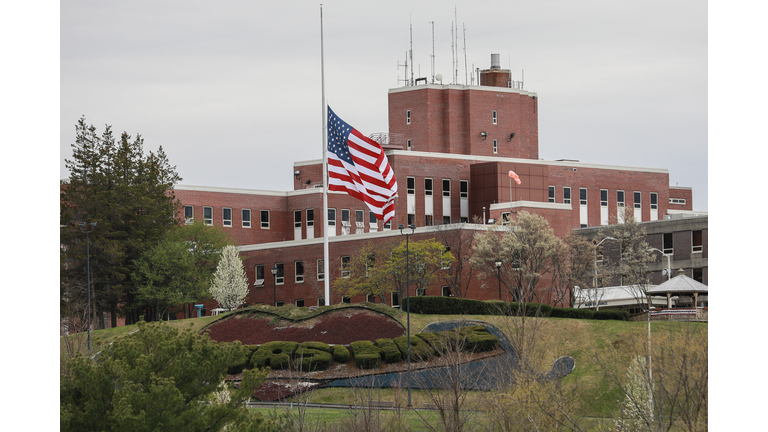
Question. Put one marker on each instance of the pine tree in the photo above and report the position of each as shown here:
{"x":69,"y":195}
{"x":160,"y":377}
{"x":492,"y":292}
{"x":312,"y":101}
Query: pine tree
{"x":230,"y":285}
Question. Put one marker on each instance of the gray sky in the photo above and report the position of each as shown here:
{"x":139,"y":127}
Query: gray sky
{"x":232,"y":90}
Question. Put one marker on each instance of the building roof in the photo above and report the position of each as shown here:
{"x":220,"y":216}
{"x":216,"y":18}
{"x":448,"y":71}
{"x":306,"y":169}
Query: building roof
{"x":679,"y":284}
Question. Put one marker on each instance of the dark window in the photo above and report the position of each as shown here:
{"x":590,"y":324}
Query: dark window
{"x":280,"y":276}
{"x":654,"y":201}
{"x":582,"y":196}
{"x":620,"y":198}
{"x":551,"y":194}
{"x":297,"y":218}
{"x":300,"y":303}
{"x":189,"y":216}
{"x":345,"y":266}
{"x":372,"y":217}
{"x":246,"y":213}
{"x":428,"y":220}
{"x":346,"y":299}
{"x":320,"y":269}
{"x":446,"y":188}
{"x":299,"y":271}
{"x":227,"y":217}
{"x":410,"y":185}
{"x":638,"y":200}
{"x":259,"y":273}
{"x":331,"y":217}
{"x":428,"y":187}
{"x":446,"y":220}
{"x":668,"y":245}
{"x":698,"y":275}
{"x":603,"y":198}
{"x":208,"y":215}
{"x":464,"y":189}
{"x":265,"y":218}
{"x":566,"y":195}
{"x":696,"y":241}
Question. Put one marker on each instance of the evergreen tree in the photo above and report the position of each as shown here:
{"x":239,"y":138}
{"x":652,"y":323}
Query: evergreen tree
{"x":129,"y":195}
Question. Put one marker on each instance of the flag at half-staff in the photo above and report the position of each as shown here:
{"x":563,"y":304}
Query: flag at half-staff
{"x":357,"y":165}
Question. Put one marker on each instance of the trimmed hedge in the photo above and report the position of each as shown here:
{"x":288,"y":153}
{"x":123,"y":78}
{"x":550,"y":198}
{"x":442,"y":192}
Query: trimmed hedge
{"x":275,"y":355}
{"x":312,"y":356}
{"x":390,"y":353}
{"x":340,"y":354}
{"x":437,"y":305}
{"x":366,"y":354}
{"x":420,"y":350}
{"x":440,"y":342}
{"x":479,"y":339}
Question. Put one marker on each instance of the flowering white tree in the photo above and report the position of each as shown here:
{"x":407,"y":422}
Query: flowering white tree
{"x":230,"y":285}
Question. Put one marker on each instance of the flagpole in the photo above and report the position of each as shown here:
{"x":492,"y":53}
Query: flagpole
{"x":327,"y":274}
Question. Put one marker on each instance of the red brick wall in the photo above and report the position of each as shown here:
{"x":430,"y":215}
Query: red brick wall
{"x":684,"y":193}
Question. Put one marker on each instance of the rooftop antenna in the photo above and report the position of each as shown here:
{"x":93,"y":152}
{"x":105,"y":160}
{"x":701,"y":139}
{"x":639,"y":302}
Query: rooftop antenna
{"x":410,"y":52}
{"x":453,"y":58}
{"x":456,"y":37}
{"x":433,"y":51}
{"x":405,"y":75}
{"x":466,"y":79}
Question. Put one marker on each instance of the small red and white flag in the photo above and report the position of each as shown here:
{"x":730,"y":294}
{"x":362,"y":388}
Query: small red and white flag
{"x":357,"y":165}
{"x":514,"y":175}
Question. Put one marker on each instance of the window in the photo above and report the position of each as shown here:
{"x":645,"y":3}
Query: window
{"x":370,"y":262}
{"x":246,"y":213}
{"x":603,"y":197}
{"x":698,"y":275}
{"x":280,"y":276}
{"x":299,"y":302}
{"x":551,"y":194}
{"x":280,"y":303}
{"x":332,"y":217}
{"x":208,"y":215}
{"x":345,"y":225}
{"x":346,"y":299}
{"x":638,"y":200}
{"x":495,"y":121}
{"x":265,"y":218}
{"x":407,"y":116}
{"x":421,"y":292}
{"x":320,"y":269}
{"x":620,"y":198}
{"x":359,"y":223}
{"x":566,"y":195}
{"x":370,"y":298}
{"x":410,"y":185}
{"x":388,"y":224}
{"x":582,"y":196}
{"x":446,"y":220}
{"x":428,"y":220}
{"x":668,"y":245}
{"x":372,"y":218}
{"x":677,"y":201}
{"x":446,"y":188}
{"x":445,"y":265}
{"x":427,"y":187}
{"x":505,"y":219}
{"x":517,"y":262}
{"x":395,"y":300}
{"x":495,"y":147}
{"x":408,"y":147}
{"x":411,"y":219}
{"x":463,"y":189}
{"x":189,"y":215}
{"x":299,"y":270}
{"x":310,"y":218}
{"x":696,"y":243}
{"x":446,"y":290}
{"x":345,"y":267}
{"x":297,"y":218}
{"x":259,"y":275}
{"x":321,"y":301}
{"x":227,"y":217}
{"x":654,"y":201}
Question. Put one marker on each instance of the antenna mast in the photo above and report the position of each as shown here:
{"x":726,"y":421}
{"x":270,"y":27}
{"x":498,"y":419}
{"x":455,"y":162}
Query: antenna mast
{"x":466,"y":76}
{"x":433,"y":51}
{"x":410,"y":52}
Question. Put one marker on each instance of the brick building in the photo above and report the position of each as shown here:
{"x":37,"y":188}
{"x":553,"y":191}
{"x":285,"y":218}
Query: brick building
{"x":451,"y":147}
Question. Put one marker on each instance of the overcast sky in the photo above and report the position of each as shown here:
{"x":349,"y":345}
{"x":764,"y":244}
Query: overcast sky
{"x":232,"y":90}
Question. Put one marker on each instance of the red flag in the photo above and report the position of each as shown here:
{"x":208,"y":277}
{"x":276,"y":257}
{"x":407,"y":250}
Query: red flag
{"x":357,"y":165}
{"x":514,"y":176}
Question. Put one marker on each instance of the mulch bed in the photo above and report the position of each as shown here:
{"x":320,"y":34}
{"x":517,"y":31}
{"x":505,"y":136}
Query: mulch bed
{"x":337,"y":327}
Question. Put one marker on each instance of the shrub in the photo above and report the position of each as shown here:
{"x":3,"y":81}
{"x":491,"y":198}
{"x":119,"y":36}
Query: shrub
{"x":611,"y":314}
{"x":572,"y":313}
{"x":389,"y":351}
{"x":420,"y":350}
{"x":275,"y":354}
{"x":438,"y":341}
{"x":340,"y":354}
{"x":312,"y":356}
{"x":479,"y":339}
{"x":366,"y":354}
{"x":460,"y":306}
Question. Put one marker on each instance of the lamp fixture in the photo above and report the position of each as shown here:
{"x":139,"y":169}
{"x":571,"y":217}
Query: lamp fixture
{"x":512,"y":135}
{"x":296,"y":173}
{"x":484,"y":134}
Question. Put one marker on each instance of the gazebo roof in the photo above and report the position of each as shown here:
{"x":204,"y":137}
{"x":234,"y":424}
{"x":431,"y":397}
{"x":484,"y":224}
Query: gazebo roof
{"x":679,"y":284}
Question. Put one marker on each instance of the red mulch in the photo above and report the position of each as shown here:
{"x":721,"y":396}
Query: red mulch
{"x":338,"y":327}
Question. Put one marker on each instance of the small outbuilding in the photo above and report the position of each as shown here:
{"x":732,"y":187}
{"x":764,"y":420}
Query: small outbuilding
{"x":689,"y":292}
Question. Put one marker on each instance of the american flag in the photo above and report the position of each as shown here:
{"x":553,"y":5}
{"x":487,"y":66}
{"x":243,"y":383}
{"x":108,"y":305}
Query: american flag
{"x":357,"y":166}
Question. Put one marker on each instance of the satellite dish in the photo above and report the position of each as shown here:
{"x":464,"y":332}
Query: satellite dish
{"x":439,"y":77}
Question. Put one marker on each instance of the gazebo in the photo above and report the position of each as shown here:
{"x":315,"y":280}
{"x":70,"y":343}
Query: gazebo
{"x":681,"y":286}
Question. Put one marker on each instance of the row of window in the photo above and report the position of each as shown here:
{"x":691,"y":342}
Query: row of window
{"x":226,"y":216}
{"x":371,"y":298}
{"x":410,"y":186}
{"x":620,"y":197}
{"x":494,"y":117}
{"x":668,"y":245}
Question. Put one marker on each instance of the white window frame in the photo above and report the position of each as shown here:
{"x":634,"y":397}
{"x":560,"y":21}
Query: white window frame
{"x":256,"y":281}
{"x":295,"y":223}
{"x":568,"y":199}
{"x":410,"y":190}
{"x":638,"y":204}
{"x":392,"y":298}
{"x":224,"y":221}
{"x":246,"y":221}
{"x":208,"y":221}
{"x":320,"y":269}
{"x":345,"y":270}
{"x":428,"y":188}
{"x":408,"y":145}
{"x":298,"y":277}
{"x":495,"y":117}
{"x":310,"y":221}
{"x":462,"y":192}
{"x":189,"y":220}
{"x":551,"y":193}
{"x":679,"y":201}
{"x":583,"y":201}
{"x":656,"y":205}
{"x":296,"y":302}
{"x":495,"y":147}
{"x":280,"y":280}
{"x":407,"y":117}
{"x":699,"y":248}
{"x":603,"y":202}
{"x":264,"y":225}
{"x":446,"y":193}
{"x":671,"y":249}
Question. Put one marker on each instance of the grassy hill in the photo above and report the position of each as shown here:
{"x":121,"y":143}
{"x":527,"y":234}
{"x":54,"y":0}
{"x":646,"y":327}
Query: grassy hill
{"x":597,"y":346}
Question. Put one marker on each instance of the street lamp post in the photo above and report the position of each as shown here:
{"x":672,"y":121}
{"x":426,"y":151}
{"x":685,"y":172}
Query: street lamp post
{"x":669,"y":261}
{"x":274,"y":283}
{"x":408,"y":303}
{"x":85,"y":228}
{"x":650,"y":368}
{"x":498,"y":274}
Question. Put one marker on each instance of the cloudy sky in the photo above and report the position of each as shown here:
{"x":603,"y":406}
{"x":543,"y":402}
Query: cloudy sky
{"x":232,"y":90}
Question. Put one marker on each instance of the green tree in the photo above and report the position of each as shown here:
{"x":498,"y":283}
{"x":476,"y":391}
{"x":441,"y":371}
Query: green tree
{"x":158,"y":378}
{"x":528,"y":249}
{"x":382,"y":270}
{"x":129,"y":194}
{"x":178,"y":270}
